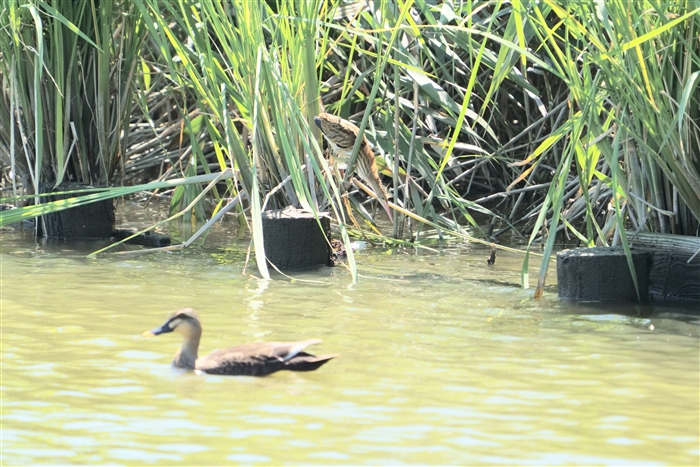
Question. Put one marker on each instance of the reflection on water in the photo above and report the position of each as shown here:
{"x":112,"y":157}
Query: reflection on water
{"x":443,"y":361}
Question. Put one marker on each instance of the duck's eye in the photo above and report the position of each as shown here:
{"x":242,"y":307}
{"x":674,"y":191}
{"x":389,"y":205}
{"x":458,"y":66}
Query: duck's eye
{"x":175,"y":322}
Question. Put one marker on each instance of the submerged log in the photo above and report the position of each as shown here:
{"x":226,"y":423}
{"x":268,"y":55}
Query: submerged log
{"x":602,"y":274}
{"x":294,"y":241}
{"x":675,"y":269}
{"x":94,"y":220}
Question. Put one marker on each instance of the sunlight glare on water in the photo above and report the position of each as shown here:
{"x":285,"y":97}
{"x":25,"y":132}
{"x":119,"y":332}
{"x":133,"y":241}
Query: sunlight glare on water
{"x":444,"y":360}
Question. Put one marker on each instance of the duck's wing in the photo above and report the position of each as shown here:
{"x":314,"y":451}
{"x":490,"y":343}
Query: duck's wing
{"x":262,"y":358}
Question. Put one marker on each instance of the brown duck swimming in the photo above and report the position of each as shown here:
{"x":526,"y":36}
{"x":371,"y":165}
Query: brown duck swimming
{"x":257,"y":359}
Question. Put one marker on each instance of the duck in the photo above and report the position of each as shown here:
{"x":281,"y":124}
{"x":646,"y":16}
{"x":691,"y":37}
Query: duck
{"x":257,"y":359}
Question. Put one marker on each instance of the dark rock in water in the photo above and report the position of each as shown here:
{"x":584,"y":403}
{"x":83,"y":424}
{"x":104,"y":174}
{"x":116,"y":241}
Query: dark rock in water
{"x":94,"y":220}
{"x":602,"y":273}
{"x":675,"y":269}
{"x":294,"y":240}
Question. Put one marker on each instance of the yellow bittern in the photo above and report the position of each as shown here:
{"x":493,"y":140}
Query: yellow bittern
{"x":341,"y":135}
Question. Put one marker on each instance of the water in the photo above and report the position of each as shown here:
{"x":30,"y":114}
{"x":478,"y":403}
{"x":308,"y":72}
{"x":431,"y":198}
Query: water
{"x":443,"y":361}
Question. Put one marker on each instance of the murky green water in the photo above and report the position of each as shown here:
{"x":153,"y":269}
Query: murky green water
{"x":443,"y":361}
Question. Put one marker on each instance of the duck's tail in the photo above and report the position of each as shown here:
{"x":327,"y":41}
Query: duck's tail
{"x":307,"y":362}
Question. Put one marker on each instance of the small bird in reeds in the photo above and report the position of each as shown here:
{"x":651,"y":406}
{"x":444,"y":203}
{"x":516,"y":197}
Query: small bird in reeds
{"x":341,"y":135}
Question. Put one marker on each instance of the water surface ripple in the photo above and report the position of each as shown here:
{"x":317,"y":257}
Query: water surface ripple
{"x":444,"y":361}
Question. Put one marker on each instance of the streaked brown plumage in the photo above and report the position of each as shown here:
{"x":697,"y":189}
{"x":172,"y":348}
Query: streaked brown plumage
{"x":341,"y":135}
{"x":257,"y":359}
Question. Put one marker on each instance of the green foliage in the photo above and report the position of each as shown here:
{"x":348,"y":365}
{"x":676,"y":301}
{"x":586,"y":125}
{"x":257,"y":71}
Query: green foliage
{"x":68,"y":70}
{"x":631,"y":77}
{"x":252,"y":72}
{"x":574,"y":118}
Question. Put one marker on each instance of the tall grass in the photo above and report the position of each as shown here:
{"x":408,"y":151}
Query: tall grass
{"x":257,"y":74}
{"x":632,"y":79}
{"x":574,"y":120}
{"x":252,"y":72}
{"x":68,"y":70}
{"x":584,"y":114}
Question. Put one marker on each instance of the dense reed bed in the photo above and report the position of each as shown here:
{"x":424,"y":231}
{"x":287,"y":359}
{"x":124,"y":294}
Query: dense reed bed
{"x":544,"y":121}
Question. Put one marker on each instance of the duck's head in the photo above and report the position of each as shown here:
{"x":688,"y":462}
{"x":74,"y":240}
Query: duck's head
{"x":185,"y":322}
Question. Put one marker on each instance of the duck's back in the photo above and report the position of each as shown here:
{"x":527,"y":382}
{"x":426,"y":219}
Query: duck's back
{"x":261,"y":359}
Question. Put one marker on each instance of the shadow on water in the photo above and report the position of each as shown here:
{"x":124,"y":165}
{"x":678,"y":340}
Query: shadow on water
{"x":677,"y":317}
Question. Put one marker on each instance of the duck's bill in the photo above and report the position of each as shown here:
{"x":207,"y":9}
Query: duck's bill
{"x":154,"y":332}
